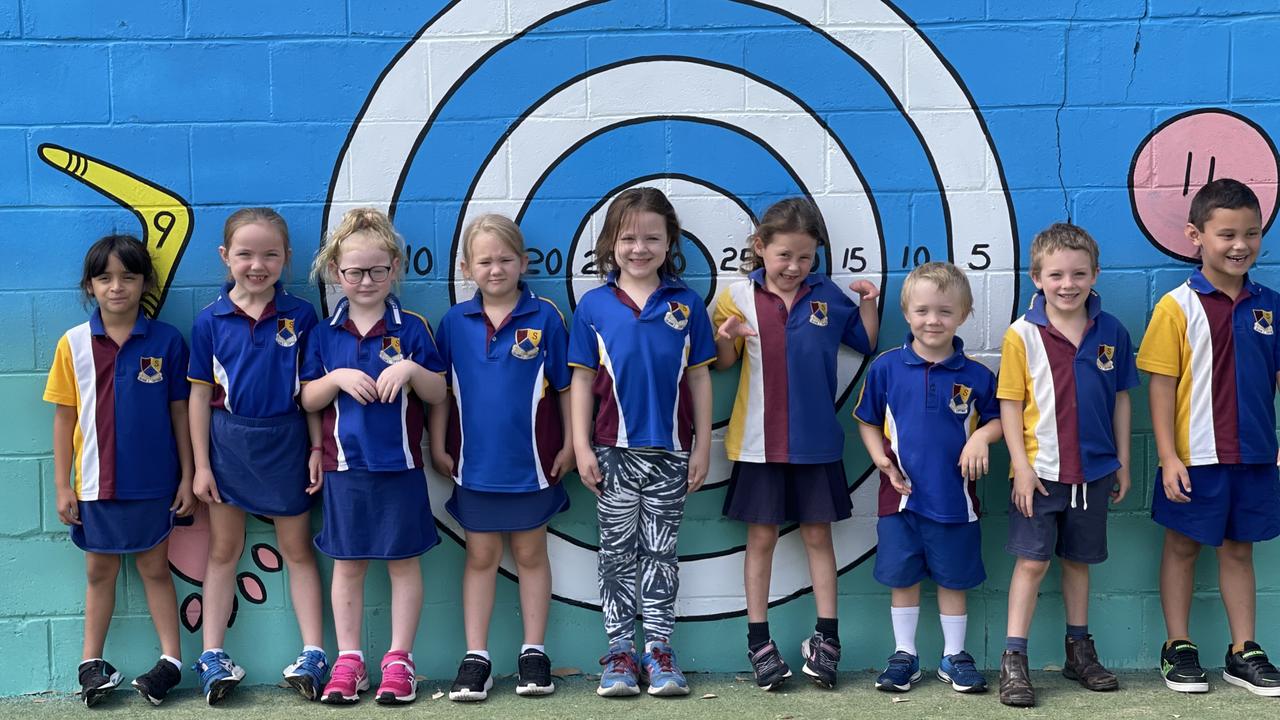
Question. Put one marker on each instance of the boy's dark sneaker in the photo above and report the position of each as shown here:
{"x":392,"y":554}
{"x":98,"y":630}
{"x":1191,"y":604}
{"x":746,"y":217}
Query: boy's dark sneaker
{"x":156,"y":683}
{"x":97,"y":679}
{"x":474,"y":679}
{"x":771,"y":670}
{"x":1083,"y":666}
{"x":821,"y":655}
{"x":534,"y":674}
{"x":961,"y":673}
{"x":1180,"y":666}
{"x":902,"y":672}
{"x":1015,"y":681}
{"x":1251,"y":670}
{"x":307,"y":673}
{"x":218,"y":675}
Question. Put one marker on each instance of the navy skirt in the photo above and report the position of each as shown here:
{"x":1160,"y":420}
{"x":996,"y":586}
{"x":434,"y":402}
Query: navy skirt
{"x":376,"y":515}
{"x":260,"y":464}
{"x":479,"y":511}
{"x":116,"y":527}
{"x":777,"y":493}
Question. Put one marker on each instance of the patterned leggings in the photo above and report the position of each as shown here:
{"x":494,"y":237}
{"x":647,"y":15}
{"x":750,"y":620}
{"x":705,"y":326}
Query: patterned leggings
{"x":641,"y":504}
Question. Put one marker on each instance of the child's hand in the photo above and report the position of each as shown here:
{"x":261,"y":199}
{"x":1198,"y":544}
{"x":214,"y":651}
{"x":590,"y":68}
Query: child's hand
{"x":589,"y":470}
{"x":205,"y":487}
{"x":442,"y":462}
{"x":68,"y":507}
{"x":1122,"y":485}
{"x":891,"y":471}
{"x":184,"y":503}
{"x":1177,"y":483}
{"x":866,"y":289}
{"x":357,"y":384}
{"x":699,"y":462}
{"x":733,"y":328}
{"x":974,"y":459}
{"x":315,"y":471}
{"x":392,"y":380}
{"x":564,"y":461}
{"x":1025,"y":485}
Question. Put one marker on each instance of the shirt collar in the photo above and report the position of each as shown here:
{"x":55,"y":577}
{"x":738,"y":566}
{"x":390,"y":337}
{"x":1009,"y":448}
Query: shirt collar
{"x":954,"y":362}
{"x":391,"y":319}
{"x":1201,"y":284}
{"x":665,"y":281}
{"x":757,"y":276}
{"x":525,"y":304}
{"x":1037,"y":314}
{"x":140,"y":326}
{"x":282,"y":301}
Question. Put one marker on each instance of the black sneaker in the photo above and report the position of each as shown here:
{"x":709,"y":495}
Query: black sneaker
{"x":820,"y":658}
{"x":97,"y":679}
{"x":473,"y":681}
{"x":1251,"y":670}
{"x":535,"y":674}
{"x":771,"y":670}
{"x":1180,"y":666}
{"x":156,"y":683}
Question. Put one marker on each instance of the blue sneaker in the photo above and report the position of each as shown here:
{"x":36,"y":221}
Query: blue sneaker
{"x":962,"y":673}
{"x":306,"y":674}
{"x":658,"y":668}
{"x":218,"y":675}
{"x":902,"y":673}
{"x":618,"y":679}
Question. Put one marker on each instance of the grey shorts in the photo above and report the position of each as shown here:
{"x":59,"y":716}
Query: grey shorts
{"x":1056,"y":528}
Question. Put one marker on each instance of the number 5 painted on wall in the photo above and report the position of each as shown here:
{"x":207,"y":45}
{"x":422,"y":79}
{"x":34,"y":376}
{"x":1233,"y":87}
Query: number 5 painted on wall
{"x":165,"y":217}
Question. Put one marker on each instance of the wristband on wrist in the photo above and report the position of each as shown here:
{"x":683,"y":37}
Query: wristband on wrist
{"x":317,"y":448}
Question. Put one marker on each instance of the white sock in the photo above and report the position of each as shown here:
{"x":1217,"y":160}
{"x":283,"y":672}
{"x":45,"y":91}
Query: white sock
{"x":176,"y":662}
{"x":358,"y":653}
{"x":539,"y":648}
{"x":212,"y":650}
{"x":88,"y":660}
{"x":953,"y":630}
{"x":904,"y":628}
{"x":482,"y":653}
{"x":310,"y":648}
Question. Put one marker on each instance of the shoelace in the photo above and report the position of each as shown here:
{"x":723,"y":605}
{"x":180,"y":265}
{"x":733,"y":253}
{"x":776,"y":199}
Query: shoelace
{"x":619,"y":662}
{"x":310,"y":663}
{"x":530,"y":665}
{"x":1259,"y":662}
{"x":767,"y":658}
{"x":663,"y":658}
{"x":471,"y":673}
{"x":1187,"y":658}
{"x":345,"y":671}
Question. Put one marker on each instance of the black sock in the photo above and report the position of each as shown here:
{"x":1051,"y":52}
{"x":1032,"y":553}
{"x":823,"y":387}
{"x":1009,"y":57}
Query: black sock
{"x":757,"y":635}
{"x":829,"y":628}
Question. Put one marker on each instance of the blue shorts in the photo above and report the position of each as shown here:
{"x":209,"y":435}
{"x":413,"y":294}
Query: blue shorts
{"x":913,"y":547}
{"x":777,"y":493}
{"x":260,"y":464}
{"x":116,"y":527}
{"x":1070,"y":522}
{"x":1231,"y":502}
{"x":480,"y":511}
{"x":376,"y":515}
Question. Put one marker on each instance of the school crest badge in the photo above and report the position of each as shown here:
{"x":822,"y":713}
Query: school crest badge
{"x":1262,"y":322}
{"x":525,"y":345}
{"x":960,"y":395}
{"x":150,"y":370}
{"x":285,"y":334}
{"x":818,"y":313}
{"x":390,"y":350}
{"x":1106,"y":357}
{"x":677,"y":315}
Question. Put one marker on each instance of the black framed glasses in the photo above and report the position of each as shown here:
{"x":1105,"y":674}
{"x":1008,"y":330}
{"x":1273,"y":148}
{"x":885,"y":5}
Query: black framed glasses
{"x":355,"y":275}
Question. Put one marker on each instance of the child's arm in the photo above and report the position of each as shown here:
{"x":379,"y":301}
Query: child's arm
{"x":1173,"y":474}
{"x":427,"y":385}
{"x":1121,"y":422}
{"x":868,"y":313}
{"x":700,"y":457}
{"x":873,"y":439}
{"x":315,"y":455}
{"x":184,"y":503}
{"x":1025,"y":481}
{"x":437,"y":427}
{"x":64,"y":428}
{"x":564,"y":461}
{"x":727,"y":336}
{"x":319,"y":393}
{"x":198,"y":415}
{"x":975,"y":457}
{"x":581,"y":403}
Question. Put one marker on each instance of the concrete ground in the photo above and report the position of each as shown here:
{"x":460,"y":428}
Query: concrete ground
{"x":1142,"y":695}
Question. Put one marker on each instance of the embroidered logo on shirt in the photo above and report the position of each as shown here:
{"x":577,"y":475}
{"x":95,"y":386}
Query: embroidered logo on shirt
{"x":150,"y":370}
{"x":677,"y":316}
{"x":525,"y":346}
{"x":960,"y":398}
{"x":818,"y":313}
{"x":285,"y":335}
{"x":1262,"y":322}
{"x":1106,"y":357}
{"x":390,"y":350}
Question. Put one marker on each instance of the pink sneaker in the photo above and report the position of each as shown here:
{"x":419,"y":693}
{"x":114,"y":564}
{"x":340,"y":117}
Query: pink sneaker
{"x":399,"y":679}
{"x":347,"y":680}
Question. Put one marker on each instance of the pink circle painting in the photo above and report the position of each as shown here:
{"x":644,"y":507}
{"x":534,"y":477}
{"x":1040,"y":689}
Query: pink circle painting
{"x":1184,"y":153}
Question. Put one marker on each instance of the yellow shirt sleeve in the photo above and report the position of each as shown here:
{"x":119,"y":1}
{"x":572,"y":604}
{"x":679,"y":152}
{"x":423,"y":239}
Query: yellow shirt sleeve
{"x":725,"y":308}
{"x":61,"y":387}
{"x":1162,"y":344}
{"x":1013,"y":367}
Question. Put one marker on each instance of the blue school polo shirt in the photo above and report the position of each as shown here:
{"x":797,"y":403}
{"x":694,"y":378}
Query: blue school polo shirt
{"x":641,"y":356}
{"x":785,"y":409}
{"x":1068,"y":392}
{"x":251,"y":363}
{"x":123,"y":446}
{"x":379,"y":436}
{"x":927,"y":412}
{"x":507,"y":427}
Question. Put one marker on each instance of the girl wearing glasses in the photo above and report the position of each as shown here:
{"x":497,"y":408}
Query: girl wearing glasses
{"x":371,"y":365}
